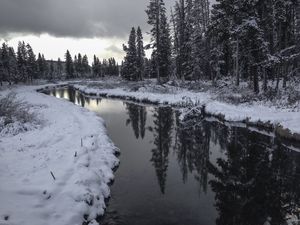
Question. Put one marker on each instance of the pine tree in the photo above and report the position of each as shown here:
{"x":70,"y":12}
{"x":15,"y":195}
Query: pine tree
{"x":59,"y":67}
{"x":76,"y":66}
{"x":164,"y":55}
{"x":130,"y":61}
{"x":219,"y":33}
{"x":4,"y":63}
{"x":140,"y":54}
{"x":96,"y":67}
{"x":31,"y":63}
{"x":1,"y":69}
{"x":200,"y":41}
{"x":298,"y":34}
{"x":79,"y":67}
{"x":45,"y":66}
{"x":40,"y":65}
{"x":51,"y":70}
{"x":13,"y":67}
{"x":85,"y":65}
{"x":161,"y":40}
{"x":22,"y":61}
{"x":69,"y":65}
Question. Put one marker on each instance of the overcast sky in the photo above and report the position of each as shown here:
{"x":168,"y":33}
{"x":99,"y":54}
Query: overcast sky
{"x":88,"y":26}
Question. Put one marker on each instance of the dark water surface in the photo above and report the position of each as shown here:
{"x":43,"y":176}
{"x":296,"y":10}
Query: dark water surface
{"x":194,"y":172}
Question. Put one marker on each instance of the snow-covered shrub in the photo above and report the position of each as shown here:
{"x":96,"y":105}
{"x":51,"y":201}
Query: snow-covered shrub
{"x":15,"y":115}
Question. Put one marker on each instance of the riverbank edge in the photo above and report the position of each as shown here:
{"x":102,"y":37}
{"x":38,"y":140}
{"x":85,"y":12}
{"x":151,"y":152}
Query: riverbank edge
{"x":187,"y":108}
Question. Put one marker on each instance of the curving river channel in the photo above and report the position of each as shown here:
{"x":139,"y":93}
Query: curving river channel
{"x":195,"y":172}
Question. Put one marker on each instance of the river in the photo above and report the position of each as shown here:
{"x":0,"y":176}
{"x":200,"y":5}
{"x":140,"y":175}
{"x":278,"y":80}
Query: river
{"x":198,"y":171}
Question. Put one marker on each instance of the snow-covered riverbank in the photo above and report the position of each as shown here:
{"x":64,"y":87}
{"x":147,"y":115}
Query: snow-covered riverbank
{"x":286,"y":119}
{"x":82,"y":169}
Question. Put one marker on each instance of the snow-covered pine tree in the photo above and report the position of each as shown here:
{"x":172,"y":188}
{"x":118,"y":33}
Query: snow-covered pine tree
{"x":298,"y":34}
{"x":76,"y":66}
{"x":183,"y":29}
{"x":59,"y":67}
{"x":69,"y":65}
{"x":140,"y":54}
{"x":51,"y":70}
{"x":85,"y":65}
{"x":95,"y":67}
{"x":200,"y":40}
{"x":130,"y":61}
{"x":13,"y":68}
{"x":1,"y":68}
{"x":80,"y":69}
{"x":161,"y":40}
{"x":31,"y":63}
{"x":4,"y":63}
{"x":219,"y":34}
{"x":178,"y":19}
{"x":41,"y":66}
{"x":22,"y":61}
{"x":45,"y":66}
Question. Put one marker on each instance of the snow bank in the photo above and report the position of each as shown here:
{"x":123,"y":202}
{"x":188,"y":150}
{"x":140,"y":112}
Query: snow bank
{"x":72,"y":144}
{"x":256,"y":112}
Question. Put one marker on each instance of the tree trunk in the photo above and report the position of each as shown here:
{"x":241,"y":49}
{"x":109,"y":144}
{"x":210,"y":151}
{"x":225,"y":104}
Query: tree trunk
{"x":278,"y":77}
{"x":237,"y":73}
{"x":285,"y":68}
{"x":265,"y":79}
{"x":255,"y":79}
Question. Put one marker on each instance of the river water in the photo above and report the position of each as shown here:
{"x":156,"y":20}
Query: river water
{"x":198,"y":171}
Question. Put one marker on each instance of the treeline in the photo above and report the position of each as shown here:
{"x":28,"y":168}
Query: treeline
{"x":79,"y":67}
{"x":25,"y":66}
{"x":253,"y":41}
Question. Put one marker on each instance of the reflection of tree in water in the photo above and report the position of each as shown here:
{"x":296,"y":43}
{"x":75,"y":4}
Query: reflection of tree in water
{"x":143,"y":118}
{"x":257,"y":180}
{"x":219,"y":134}
{"x":61,"y":93}
{"x":81,"y":99}
{"x":192,"y":148}
{"x":72,"y":95}
{"x":163,"y":124}
{"x":137,"y":117}
{"x":98,"y":101}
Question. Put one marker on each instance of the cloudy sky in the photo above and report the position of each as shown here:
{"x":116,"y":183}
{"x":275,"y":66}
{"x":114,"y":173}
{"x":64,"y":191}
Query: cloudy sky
{"x":87,"y":26}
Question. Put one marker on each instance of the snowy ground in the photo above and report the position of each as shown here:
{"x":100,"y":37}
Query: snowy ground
{"x":29,"y":195}
{"x":222,"y":101}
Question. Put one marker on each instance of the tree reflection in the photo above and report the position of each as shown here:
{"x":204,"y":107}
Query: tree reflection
{"x":163,"y":124}
{"x":192,"y":144}
{"x":257,"y":180}
{"x":72,"y":95}
{"x":137,"y":118}
{"x":143,"y":118}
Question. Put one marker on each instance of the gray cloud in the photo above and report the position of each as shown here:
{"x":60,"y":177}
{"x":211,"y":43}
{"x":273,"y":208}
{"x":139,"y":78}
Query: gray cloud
{"x":115,"y":49}
{"x":73,"y":18}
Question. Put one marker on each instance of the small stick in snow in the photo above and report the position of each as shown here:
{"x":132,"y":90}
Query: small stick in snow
{"x":75,"y":154}
{"x":81,"y":142}
{"x":52,"y":175}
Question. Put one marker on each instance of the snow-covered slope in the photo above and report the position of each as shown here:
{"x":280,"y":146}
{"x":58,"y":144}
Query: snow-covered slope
{"x":29,"y":194}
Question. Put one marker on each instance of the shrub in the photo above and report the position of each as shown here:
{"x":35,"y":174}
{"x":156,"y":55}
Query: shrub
{"x":15,"y":115}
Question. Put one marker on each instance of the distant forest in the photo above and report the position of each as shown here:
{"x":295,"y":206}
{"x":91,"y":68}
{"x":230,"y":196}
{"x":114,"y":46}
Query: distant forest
{"x":253,"y":41}
{"x":25,"y":66}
